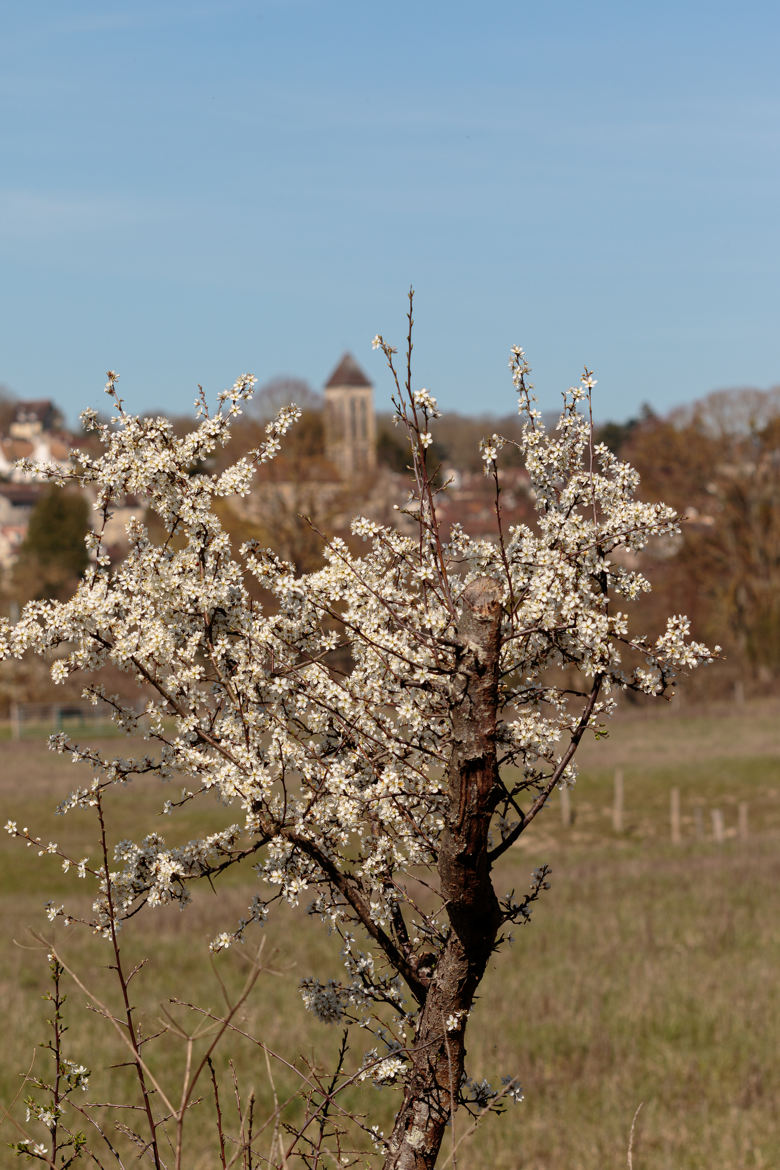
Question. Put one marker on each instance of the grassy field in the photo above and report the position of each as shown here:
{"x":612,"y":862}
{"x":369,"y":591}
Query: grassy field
{"x":648,"y":975}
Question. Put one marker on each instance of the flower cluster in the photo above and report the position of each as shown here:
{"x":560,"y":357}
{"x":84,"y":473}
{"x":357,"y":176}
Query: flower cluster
{"x":327,"y":1001}
{"x":424,"y":399}
{"x":489,"y":449}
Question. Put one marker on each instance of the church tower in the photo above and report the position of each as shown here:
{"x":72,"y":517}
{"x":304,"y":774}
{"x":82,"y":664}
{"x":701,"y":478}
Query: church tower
{"x":350,"y":422}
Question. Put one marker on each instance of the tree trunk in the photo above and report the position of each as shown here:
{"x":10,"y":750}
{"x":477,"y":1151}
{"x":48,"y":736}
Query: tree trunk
{"x":437,"y":1057}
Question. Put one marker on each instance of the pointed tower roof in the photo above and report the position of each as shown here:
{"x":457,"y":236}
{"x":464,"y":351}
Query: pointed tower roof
{"x":347,"y":373}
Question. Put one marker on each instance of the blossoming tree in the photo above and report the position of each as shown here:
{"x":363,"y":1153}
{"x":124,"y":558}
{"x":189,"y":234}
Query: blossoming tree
{"x":426,"y":757}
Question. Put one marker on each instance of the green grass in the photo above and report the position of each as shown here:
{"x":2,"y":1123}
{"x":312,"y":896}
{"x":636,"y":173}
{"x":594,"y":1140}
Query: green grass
{"x":648,"y":973}
{"x":76,"y":726}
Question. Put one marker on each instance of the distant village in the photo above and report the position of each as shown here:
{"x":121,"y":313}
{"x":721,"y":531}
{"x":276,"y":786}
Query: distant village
{"x":352,"y":478}
{"x":35,"y":433}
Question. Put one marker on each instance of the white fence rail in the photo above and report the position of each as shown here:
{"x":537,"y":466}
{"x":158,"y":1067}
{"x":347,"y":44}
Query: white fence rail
{"x":29,"y":718}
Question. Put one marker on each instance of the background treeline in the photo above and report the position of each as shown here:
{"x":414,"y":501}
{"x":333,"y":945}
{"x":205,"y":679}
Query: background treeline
{"x":717,"y":462}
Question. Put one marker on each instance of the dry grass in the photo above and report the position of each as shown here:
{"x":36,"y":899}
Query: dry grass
{"x":648,"y":973}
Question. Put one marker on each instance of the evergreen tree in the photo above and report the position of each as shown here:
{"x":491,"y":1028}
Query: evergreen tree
{"x":53,"y":555}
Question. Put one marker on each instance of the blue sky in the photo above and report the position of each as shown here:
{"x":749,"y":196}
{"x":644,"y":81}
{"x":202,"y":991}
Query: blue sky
{"x":191,"y":190}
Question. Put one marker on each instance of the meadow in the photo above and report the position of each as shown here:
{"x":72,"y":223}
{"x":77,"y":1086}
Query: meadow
{"x":648,"y":974}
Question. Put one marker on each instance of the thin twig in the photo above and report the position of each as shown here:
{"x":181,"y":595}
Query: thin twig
{"x":140,"y":1065}
{"x":215,"y":1088}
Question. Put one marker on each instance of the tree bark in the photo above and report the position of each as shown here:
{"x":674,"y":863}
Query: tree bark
{"x":437,"y":1056}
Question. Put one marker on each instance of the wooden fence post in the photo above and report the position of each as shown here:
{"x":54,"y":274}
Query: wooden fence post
{"x":617,"y":803}
{"x":717,"y":826}
{"x":674,"y":810}
{"x":743,"y":820}
{"x":565,"y":807}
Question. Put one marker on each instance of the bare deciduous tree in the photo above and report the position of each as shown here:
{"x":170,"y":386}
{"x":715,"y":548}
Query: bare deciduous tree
{"x":717,"y":461}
